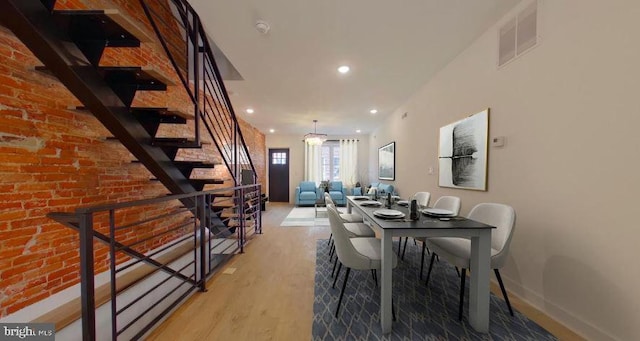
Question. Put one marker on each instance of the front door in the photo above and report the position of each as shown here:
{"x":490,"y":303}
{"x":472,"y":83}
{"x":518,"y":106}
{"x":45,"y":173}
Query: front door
{"x":279,"y":175}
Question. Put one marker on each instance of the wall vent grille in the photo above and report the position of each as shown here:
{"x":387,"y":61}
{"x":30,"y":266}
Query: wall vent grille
{"x":518,"y":35}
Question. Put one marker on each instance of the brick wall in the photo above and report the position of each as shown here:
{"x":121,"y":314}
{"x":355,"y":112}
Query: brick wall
{"x":53,"y":159}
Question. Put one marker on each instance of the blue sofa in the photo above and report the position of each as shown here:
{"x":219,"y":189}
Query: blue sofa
{"x":338,"y":193}
{"x":307,"y":193}
{"x":383,"y":188}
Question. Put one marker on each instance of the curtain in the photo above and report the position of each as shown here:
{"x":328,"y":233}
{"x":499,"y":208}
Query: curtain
{"x":312,"y":163}
{"x":349,"y":162}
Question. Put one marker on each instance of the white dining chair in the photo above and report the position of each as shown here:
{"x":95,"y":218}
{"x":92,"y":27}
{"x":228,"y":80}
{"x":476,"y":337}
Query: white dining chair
{"x":422,"y":199}
{"x":446,"y":202}
{"x":354,"y":230}
{"x":346,"y":217}
{"x":457,"y":251}
{"x":355,"y":253}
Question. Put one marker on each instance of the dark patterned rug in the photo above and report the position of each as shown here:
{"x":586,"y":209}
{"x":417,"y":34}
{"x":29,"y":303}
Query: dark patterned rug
{"x":422,"y":313}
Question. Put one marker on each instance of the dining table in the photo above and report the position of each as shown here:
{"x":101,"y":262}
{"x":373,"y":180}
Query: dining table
{"x":429,"y":226}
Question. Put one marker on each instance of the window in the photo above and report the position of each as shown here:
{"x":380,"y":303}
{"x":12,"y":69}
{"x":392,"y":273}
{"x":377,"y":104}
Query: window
{"x":279,"y":158}
{"x":331,"y":161}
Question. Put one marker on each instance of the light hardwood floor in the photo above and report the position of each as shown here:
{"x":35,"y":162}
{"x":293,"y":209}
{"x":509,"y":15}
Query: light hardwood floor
{"x":270,"y":294}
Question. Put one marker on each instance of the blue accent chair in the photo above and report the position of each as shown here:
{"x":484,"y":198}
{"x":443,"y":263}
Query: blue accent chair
{"x":383,"y":188}
{"x":307,"y":193}
{"x":338,"y":193}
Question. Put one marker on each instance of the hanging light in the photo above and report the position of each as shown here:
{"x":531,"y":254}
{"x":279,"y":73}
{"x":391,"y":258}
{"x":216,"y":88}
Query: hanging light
{"x":314,"y":138}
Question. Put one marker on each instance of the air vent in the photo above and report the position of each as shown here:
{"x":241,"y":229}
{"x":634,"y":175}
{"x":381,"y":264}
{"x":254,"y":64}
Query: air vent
{"x":518,"y":35}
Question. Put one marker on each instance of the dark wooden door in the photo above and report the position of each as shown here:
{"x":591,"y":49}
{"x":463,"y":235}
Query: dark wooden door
{"x":279,"y":175}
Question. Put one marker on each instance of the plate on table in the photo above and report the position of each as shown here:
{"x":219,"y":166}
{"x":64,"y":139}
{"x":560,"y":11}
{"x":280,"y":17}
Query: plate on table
{"x":403,"y":202}
{"x":370,"y":203}
{"x":388,"y":214}
{"x":360,"y":197}
{"x":437,"y":212}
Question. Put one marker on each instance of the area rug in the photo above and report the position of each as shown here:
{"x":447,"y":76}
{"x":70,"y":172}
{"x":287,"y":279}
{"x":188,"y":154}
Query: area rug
{"x":306,"y":216}
{"x":421,"y":313}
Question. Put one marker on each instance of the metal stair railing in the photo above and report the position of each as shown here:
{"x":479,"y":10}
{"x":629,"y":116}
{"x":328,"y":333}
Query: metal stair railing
{"x":185,"y":41}
{"x":159,"y":237}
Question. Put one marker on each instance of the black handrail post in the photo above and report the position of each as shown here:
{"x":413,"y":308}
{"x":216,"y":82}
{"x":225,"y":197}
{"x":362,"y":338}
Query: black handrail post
{"x":87,"y":285}
{"x":202,"y":207}
{"x":196,"y":77}
{"x":259,"y":220}
{"x":112,"y":266}
{"x":241,"y":217}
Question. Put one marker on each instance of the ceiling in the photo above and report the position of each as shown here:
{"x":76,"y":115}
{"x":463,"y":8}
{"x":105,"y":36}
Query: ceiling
{"x":290,"y":74}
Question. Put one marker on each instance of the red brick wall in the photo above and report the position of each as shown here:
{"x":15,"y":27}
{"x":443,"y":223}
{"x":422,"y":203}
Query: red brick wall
{"x":53,"y":159}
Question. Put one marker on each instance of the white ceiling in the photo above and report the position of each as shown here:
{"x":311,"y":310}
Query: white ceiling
{"x":392,"y":46}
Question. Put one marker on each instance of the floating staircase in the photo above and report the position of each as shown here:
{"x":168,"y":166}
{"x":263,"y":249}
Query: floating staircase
{"x":70,"y":44}
{"x":108,"y":91}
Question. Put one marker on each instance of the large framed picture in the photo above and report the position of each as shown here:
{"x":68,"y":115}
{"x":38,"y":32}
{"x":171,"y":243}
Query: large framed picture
{"x":387,"y":162}
{"x":463,"y":153}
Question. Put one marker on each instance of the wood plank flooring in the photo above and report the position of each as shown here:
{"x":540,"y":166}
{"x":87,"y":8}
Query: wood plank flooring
{"x":270,"y":295}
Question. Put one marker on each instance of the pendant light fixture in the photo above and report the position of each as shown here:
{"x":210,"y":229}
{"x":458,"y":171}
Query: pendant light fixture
{"x":314,"y":138}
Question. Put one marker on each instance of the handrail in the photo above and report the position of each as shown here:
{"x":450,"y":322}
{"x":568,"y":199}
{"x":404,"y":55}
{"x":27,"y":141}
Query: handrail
{"x":202,"y":80}
{"x":140,"y":233}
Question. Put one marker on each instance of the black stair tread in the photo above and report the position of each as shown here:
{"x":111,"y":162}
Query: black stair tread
{"x":143,"y":74}
{"x":148,"y":77}
{"x":176,"y":142}
{"x":206,"y":181}
{"x":146,"y":110}
{"x":163,"y":111}
{"x":196,"y":164}
{"x":110,"y":25}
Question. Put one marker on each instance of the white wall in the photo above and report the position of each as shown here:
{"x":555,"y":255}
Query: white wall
{"x":296,"y":155}
{"x":570,"y":112}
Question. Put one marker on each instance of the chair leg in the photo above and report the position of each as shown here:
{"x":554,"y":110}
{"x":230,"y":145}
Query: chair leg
{"x":457,"y":271}
{"x":330,"y":238}
{"x":424,"y":246}
{"x":393,"y":310}
{"x":399,"y":246}
{"x":335,"y":279}
{"x":462,"y":280}
{"x":344,"y":285}
{"x":373,"y":275}
{"x":433,"y":257}
{"x":404,"y":249}
{"x":504,"y":292}
{"x":334,"y":267}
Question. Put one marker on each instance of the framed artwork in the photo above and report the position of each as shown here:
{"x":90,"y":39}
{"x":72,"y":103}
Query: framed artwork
{"x":387,"y":162}
{"x":463,"y":153}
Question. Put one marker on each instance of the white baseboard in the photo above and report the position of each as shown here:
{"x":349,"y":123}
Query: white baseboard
{"x":566,"y":318}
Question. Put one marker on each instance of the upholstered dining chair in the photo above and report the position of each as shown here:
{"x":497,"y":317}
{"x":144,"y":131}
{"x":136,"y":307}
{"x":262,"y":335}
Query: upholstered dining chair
{"x":457,"y":251}
{"x":354,"y":253}
{"x":354,"y":230}
{"x":422,"y":199}
{"x":446,"y":202}
{"x":347,"y":217}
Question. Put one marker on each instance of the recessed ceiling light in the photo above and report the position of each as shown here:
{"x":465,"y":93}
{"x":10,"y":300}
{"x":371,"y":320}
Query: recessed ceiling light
{"x":373,"y":111}
{"x":272,"y":131}
{"x":249,"y":111}
{"x":343,"y":69}
{"x":358,"y":131}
